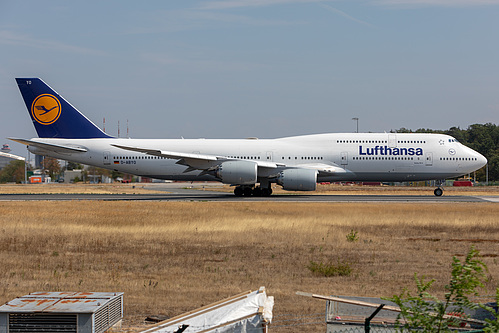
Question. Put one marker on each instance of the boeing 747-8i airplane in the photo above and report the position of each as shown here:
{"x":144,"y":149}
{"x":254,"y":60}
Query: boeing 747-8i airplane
{"x":296,"y":163}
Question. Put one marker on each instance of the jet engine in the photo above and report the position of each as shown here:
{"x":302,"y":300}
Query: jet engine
{"x":237,"y":172}
{"x":298,"y":179}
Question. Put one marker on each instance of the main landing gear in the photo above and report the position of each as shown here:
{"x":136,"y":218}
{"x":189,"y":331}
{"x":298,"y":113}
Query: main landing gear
{"x":248,"y":191}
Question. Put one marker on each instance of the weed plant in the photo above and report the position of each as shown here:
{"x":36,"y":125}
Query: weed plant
{"x":425,"y":311}
{"x":352,"y":236}
{"x":328,"y":270}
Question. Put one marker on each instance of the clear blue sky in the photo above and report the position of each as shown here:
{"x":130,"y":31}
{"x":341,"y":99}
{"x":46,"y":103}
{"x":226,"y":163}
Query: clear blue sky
{"x":254,"y":68}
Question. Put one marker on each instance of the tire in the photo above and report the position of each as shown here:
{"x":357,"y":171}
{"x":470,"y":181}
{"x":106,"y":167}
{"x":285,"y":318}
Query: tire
{"x":238,"y":191}
{"x":247,"y":191}
{"x":257,"y":191}
{"x":266,"y":192}
{"x":438,"y":192}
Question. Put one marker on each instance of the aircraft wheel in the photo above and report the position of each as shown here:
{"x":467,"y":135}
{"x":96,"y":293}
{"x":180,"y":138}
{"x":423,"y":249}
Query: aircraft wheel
{"x":248,"y":191}
{"x":266,"y":192}
{"x":257,"y":191}
{"x":438,"y":192}
{"x":238,"y":191}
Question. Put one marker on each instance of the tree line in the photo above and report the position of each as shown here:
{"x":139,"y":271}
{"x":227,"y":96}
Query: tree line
{"x":484,"y":138}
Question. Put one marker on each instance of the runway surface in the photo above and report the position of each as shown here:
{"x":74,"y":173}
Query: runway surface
{"x":182,"y":194}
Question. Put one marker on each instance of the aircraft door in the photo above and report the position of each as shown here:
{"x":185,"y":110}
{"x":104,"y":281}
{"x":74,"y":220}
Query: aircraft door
{"x":269,"y":156}
{"x":106,"y":160}
{"x":392,"y":140}
{"x":344,"y":158}
{"x":429,"y":159}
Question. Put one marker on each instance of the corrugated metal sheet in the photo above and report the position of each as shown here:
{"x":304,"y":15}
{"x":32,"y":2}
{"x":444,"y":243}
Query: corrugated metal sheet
{"x":108,"y":315}
{"x":72,"y":294}
{"x":59,"y":302}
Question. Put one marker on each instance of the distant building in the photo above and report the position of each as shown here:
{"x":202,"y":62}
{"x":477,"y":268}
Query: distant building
{"x":70,"y":175}
{"x":5,"y":148}
{"x":39,"y":161}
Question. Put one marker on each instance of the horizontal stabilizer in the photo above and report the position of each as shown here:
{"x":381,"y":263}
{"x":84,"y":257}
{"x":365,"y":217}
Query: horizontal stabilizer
{"x":50,"y":146}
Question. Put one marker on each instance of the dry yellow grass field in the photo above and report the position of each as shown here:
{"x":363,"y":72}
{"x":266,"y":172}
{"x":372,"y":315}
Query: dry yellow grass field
{"x":172,"y":257}
{"x":79,"y":188}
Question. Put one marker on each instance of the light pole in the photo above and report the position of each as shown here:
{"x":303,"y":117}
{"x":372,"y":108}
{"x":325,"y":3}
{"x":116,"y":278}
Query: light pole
{"x":487,"y":174}
{"x":357,"y":120}
{"x":26,"y":161}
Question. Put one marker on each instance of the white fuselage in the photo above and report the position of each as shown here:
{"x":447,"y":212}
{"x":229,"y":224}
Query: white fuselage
{"x":363,"y":156}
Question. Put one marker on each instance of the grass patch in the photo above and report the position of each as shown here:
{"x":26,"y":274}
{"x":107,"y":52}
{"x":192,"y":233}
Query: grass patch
{"x":329,"y":270}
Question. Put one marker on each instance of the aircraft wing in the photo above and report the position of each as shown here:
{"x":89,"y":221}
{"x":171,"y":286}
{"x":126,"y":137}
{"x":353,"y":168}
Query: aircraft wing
{"x":194,"y":161}
{"x":170,"y":154}
{"x":63,"y":149}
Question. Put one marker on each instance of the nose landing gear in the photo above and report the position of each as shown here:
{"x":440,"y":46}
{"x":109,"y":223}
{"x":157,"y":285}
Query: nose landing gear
{"x":438,"y":192}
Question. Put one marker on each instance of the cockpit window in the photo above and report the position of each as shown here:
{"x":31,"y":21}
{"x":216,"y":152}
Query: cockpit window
{"x":453,"y":140}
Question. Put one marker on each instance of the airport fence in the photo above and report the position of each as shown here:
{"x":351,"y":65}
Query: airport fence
{"x":375,"y":329}
{"x":317,"y":323}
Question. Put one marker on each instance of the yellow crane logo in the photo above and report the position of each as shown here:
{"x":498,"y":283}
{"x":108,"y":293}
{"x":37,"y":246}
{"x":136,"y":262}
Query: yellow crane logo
{"x":46,"y":109}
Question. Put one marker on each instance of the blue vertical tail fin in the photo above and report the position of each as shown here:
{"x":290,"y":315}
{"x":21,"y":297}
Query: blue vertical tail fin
{"x":52,"y":115}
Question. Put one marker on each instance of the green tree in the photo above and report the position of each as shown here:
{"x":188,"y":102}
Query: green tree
{"x":425,"y":311}
{"x":403,"y":130}
{"x":13,"y":172}
{"x":99,"y":171}
{"x":484,"y":138}
{"x":427,"y":130}
{"x":492,"y":324}
{"x":73,"y":166}
{"x":116,"y":174}
{"x":458,"y":134}
{"x":51,"y":165}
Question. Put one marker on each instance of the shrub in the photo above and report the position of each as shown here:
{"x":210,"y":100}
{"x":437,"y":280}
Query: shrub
{"x":328,"y":270}
{"x":352,"y":236}
{"x":425,"y":311}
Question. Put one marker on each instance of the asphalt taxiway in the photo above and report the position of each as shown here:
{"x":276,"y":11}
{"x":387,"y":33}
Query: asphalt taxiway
{"x":177,"y":191}
{"x":206,"y":195}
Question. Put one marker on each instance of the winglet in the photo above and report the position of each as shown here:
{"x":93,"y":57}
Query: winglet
{"x":52,"y":115}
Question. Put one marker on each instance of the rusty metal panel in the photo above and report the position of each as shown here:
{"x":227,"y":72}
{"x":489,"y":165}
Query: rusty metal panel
{"x":67,"y":294}
{"x":76,"y":305}
{"x":58,"y":302}
{"x":50,"y":294}
{"x":27,"y":305}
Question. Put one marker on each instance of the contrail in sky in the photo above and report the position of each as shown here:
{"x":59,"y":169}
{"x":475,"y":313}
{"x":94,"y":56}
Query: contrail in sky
{"x":345,"y":15}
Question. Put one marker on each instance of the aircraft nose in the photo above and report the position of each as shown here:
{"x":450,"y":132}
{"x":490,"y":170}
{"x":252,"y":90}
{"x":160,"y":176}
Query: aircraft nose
{"x":478,"y":160}
{"x":481,"y":160}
